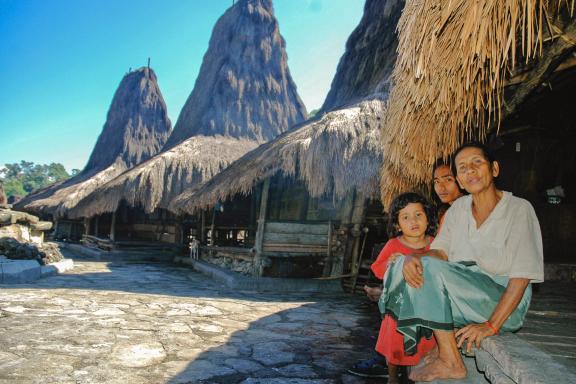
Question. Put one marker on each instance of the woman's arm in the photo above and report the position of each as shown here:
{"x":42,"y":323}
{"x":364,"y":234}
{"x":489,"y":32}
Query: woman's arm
{"x":413,"y":270}
{"x":510,"y":299}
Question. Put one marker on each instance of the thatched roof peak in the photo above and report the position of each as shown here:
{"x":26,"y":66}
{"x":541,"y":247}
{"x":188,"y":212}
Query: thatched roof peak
{"x":136,"y":128}
{"x":137,"y":124}
{"x":244,"y":87}
{"x":365,"y":67}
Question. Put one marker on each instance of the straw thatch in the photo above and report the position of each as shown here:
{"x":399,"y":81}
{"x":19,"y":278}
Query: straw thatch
{"x":59,"y":198}
{"x":137,"y":126}
{"x":365,"y":67}
{"x":153,"y":183}
{"x":453,"y":60}
{"x":335,"y":154}
{"x":244,"y":87}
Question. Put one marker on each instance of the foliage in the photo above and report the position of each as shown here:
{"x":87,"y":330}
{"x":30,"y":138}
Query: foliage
{"x":19,"y":179}
{"x":313,"y":113}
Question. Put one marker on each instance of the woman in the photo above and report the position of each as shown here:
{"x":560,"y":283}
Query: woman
{"x":476,"y":276}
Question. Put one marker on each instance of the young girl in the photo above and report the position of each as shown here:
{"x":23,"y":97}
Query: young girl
{"x":410,"y":227}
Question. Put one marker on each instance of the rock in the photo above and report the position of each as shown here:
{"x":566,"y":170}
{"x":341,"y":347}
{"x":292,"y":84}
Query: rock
{"x":273,"y":353}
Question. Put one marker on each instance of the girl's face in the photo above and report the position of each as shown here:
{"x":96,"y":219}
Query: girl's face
{"x":412,"y":220}
{"x":445,"y":185}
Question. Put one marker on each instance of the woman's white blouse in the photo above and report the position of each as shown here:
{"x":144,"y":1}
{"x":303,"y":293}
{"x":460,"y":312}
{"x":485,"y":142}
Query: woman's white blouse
{"x":508,"y":243}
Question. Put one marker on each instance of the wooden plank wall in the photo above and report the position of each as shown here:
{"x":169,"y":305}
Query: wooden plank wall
{"x":285,"y":238}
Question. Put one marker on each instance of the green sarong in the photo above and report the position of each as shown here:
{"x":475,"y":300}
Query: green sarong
{"x":453,"y":295}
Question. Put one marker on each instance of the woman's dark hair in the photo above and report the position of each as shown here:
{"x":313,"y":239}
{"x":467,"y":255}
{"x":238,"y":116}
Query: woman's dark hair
{"x":400,"y":202}
{"x":486,"y":152}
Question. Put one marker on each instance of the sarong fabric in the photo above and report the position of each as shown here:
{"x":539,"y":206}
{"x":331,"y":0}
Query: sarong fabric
{"x":453,"y":295}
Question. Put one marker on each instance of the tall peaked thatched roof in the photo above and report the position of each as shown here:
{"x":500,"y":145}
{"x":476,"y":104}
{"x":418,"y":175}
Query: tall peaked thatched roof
{"x":365,"y":67}
{"x":453,"y":62}
{"x":137,"y":126}
{"x":243,"y":96}
{"x":153,"y":183}
{"x":244,"y":88}
{"x":334,"y":154}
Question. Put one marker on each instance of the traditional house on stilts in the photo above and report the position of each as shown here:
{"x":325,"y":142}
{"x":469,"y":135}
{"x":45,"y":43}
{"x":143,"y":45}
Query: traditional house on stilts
{"x":309,"y":198}
{"x":243,"y":96}
{"x":136,"y":128}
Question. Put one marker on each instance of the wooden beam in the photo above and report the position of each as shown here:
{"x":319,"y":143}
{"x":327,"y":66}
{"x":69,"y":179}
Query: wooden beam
{"x":258,"y":267}
{"x":113,"y":227}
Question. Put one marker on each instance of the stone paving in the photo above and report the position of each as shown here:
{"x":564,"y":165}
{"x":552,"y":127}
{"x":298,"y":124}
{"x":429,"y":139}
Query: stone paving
{"x":111,"y":322}
{"x":159,"y":323}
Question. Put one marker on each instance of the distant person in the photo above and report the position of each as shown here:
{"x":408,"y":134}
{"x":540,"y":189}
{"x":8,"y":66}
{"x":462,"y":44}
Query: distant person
{"x":477,"y":274}
{"x":410,"y":228}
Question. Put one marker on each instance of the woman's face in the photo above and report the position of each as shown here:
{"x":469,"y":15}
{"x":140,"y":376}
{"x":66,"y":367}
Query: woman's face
{"x":445,"y":185}
{"x":474,"y":172}
{"x":412,"y":220}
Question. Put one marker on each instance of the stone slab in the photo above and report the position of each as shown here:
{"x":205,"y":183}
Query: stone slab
{"x":248,"y":283}
{"x":19,"y":271}
{"x":58,"y":267}
{"x":525,"y":363}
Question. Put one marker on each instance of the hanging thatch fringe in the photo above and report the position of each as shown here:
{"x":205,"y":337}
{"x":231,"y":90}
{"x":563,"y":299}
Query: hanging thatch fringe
{"x":453,"y":59}
{"x":155,"y":182}
{"x":334,"y":154}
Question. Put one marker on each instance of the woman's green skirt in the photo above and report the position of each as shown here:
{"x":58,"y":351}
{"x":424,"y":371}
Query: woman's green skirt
{"x":453,"y":295}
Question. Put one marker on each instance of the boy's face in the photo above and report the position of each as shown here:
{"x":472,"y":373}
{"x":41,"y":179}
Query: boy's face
{"x":412,"y":220}
{"x":445,"y":185}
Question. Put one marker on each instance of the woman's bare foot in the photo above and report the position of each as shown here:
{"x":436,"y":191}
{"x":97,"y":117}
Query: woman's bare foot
{"x":439,"y":369}
{"x":432,"y":355}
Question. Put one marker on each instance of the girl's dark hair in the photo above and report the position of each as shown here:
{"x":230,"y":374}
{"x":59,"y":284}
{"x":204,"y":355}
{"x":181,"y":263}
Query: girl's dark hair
{"x":486,"y":152}
{"x":400,"y":202}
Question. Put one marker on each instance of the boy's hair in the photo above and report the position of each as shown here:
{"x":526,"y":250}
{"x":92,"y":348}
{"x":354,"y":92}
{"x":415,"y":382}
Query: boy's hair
{"x":486,"y":152}
{"x":400,"y":202}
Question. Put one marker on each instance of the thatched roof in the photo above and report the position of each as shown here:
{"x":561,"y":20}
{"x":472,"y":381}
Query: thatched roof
{"x":364,"y":68}
{"x":453,"y":61}
{"x":334,"y":154}
{"x":153,"y":183}
{"x":137,"y":126}
{"x":244,"y":87}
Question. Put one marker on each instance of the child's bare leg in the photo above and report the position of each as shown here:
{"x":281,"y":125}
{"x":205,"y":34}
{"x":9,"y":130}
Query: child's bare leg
{"x":448,"y":365}
{"x":393,"y":374}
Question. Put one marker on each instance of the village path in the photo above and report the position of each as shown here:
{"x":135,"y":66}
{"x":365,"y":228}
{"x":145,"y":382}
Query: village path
{"x":128,"y":323}
{"x":110,"y":322}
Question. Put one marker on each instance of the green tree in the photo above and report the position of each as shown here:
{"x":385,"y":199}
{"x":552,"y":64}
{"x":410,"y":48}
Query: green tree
{"x":19,"y":179}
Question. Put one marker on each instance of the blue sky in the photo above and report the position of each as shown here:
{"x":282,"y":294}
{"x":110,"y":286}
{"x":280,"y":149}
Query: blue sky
{"x":62,"y":60}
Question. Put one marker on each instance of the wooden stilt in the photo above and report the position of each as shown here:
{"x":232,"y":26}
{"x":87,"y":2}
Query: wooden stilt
{"x":258,"y":265}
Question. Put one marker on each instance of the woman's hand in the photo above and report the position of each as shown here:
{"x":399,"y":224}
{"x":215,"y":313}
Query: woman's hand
{"x":373,"y":293}
{"x":413,"y":271}
{"x":474,"y":333}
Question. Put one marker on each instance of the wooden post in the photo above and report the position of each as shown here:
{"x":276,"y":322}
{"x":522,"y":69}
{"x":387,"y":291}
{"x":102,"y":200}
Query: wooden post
{"x":259,"y":241}
{"x":56,"y":227}
{"x":113,"y":227}
{"x":87,"y":226}
{"x":329,"y":261}
{"x":346,"y":217}
{"x":96,"y":219}
{"x":213,"y":226}
{"x":202,"y":238}
{"x":357,"y":219}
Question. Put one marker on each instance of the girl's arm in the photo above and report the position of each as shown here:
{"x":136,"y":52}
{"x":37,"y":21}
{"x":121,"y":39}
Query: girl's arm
{"x":510,"y":299}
